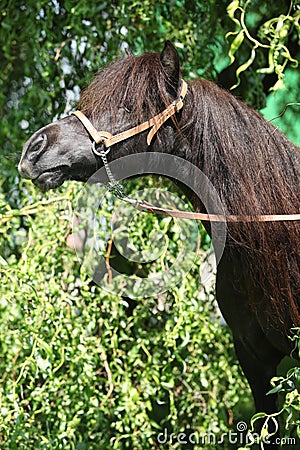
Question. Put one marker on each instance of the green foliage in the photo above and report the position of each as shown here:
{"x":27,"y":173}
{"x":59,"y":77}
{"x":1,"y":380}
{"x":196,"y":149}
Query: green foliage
{"x":53,"y":48}
{"x":273,"y":43}
{"x":273,"y":34}
{"x":78,"y":370}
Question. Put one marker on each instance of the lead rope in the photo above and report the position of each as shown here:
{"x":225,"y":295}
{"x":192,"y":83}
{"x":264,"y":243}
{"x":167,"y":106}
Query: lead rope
{"x":117,"y":189}
{"x":142,"y":205}
{"x":113,"y":186}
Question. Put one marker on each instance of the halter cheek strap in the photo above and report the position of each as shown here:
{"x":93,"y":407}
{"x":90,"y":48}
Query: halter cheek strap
{"x":154,"y":123}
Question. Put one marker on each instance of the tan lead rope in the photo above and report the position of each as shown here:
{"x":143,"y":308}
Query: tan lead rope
{"x":148,"y":207}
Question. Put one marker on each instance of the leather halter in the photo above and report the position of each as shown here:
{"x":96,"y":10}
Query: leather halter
{"x":154,"y":124}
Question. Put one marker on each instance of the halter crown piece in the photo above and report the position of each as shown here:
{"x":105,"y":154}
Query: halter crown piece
{"x":154,"y":123}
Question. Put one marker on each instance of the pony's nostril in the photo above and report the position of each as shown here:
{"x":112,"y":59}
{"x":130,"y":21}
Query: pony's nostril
{"x":36,"y":147}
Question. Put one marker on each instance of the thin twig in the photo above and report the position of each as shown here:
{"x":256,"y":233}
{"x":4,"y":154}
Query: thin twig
{"x":29,"y":209}
{"x":285,"y":108}
{"x":109,"y":378}
{"x":107,"y":257}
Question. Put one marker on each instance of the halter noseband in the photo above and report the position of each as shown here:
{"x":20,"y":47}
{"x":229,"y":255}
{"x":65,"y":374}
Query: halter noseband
{"x":154,"y":123}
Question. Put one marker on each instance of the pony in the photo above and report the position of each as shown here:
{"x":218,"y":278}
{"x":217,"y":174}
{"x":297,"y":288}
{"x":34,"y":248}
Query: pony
{"x":253,"y":167}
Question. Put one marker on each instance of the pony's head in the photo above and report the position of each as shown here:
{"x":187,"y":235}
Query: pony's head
{"x":122,"y":96}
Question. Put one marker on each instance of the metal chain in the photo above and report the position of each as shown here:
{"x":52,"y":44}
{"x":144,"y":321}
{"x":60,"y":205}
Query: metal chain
{"x":114,"y":186}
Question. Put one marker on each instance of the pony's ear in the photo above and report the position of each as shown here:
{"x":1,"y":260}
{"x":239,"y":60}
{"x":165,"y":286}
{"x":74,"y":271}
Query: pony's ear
{"x":169,"y":59}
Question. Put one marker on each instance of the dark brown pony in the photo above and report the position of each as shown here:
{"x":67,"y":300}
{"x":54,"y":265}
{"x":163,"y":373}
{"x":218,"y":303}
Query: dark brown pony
{"x":253,"y":166}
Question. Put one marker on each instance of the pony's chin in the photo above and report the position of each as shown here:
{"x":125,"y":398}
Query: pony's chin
{"x":49,"y":180}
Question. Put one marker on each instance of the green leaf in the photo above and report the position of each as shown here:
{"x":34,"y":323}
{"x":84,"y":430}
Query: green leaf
{"x":244,"y":67}
{"x":275,"y":389}
{"x":235,"y":45}
{"x":231,"y":10}
{"x":255,"y":417}
{"x":3,"y":262}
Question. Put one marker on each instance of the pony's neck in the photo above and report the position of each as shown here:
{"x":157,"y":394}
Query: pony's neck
{"x":252,"y":165}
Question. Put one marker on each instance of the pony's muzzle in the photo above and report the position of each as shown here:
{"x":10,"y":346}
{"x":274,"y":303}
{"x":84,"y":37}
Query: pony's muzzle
{"x":24,"y":169}
{"x":33,"y":150}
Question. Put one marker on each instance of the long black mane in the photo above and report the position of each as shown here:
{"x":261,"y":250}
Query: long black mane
{"x":256,"y":170}
{"x":253,"y":166}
